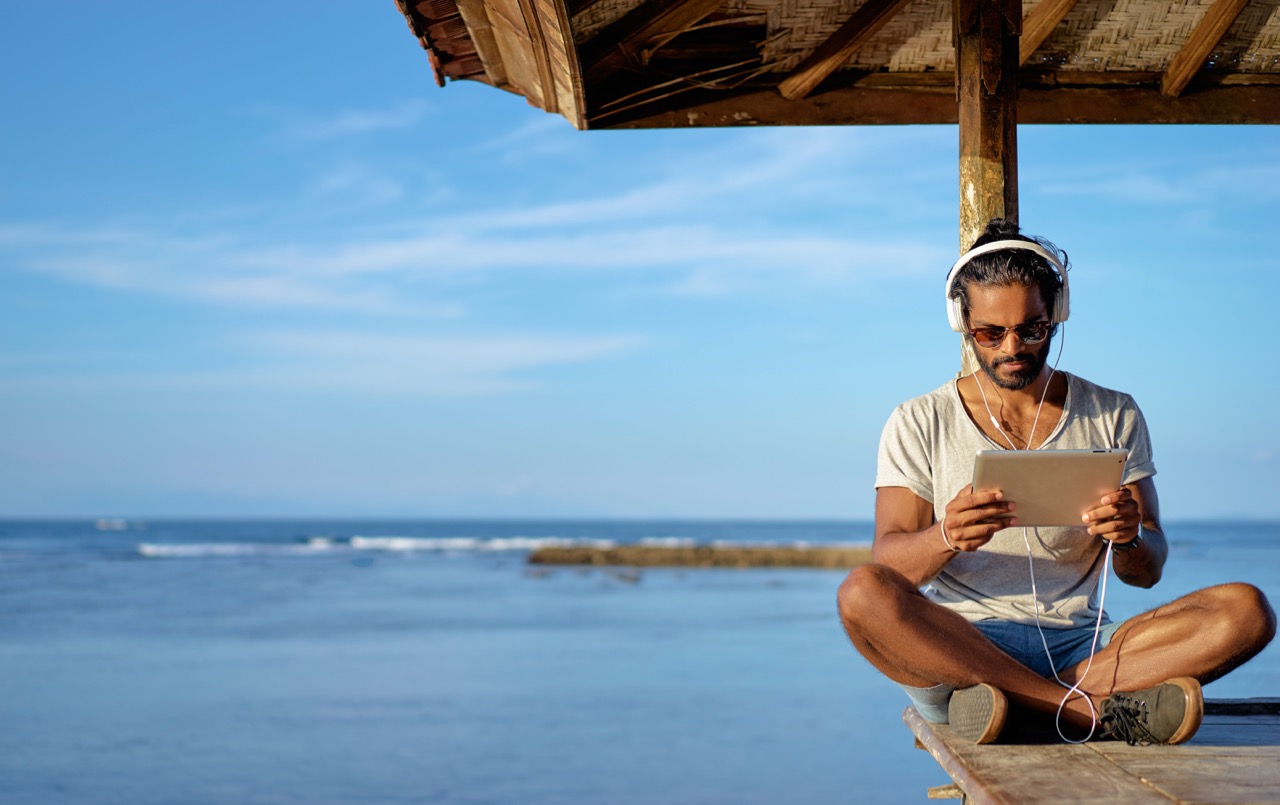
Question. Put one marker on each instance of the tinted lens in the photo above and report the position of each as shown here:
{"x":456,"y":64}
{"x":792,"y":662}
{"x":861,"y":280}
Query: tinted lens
{"x":988,"y":336}
{"x":1032,"y":333}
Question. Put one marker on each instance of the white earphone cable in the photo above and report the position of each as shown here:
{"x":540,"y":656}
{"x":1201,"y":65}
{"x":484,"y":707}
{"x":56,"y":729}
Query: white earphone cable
{"x":1072,"y":690}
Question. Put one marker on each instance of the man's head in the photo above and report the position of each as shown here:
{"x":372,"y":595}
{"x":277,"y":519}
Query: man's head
{"x":1003,"y":299}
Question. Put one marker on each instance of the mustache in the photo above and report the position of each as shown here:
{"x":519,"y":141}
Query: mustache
{"x":1025,"y":357}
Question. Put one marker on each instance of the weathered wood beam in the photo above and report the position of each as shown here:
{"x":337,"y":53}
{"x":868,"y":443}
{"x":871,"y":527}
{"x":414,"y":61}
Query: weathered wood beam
{"x":629,"y":41}
{"x":870,"y":17}
{"x":1039,"y":24}
{"x":576,"y":7}
{"x":1217,"y":20}
{"x":987,"y":88}
{"x":482,"y":35}
{"x":926,"y":102}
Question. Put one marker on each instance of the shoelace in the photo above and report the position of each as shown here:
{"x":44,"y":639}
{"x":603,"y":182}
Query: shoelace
{"x":1127,"y":719}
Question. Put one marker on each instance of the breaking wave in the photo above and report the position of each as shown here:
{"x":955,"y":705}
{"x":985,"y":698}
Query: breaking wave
{"x":329,"y":545}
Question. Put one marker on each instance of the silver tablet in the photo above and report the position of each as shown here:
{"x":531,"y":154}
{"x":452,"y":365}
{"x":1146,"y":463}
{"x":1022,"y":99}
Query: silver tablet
{"x":1051,"y":487}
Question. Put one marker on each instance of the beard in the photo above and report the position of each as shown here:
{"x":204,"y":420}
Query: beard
{"x":1020,"y":379}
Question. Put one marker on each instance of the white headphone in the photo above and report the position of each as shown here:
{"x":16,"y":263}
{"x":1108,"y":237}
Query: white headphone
{"x":1061,"y":305}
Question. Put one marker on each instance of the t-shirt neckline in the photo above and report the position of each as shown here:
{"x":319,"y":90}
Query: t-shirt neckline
{"x":1053,"y":434}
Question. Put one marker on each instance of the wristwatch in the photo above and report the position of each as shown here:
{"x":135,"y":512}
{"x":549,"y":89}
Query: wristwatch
{"x":1124,"y":547}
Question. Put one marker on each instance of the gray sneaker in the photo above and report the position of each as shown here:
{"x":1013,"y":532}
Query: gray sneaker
{"x":977,"y":713}
{"x":1169,"y":713}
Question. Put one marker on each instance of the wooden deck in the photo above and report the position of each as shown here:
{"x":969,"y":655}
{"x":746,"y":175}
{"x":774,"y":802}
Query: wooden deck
{"x":1234,"y":758}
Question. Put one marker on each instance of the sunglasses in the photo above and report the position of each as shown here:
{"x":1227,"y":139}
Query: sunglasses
{"x":1030,"y":333}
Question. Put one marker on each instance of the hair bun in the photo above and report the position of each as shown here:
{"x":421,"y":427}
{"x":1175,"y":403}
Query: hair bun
{"x":1001,"y":229}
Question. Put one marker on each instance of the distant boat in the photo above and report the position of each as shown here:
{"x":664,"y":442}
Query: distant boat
{"x":112,"y":524}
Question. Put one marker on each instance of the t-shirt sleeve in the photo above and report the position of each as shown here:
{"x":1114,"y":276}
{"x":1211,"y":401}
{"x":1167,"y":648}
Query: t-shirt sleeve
{"x":1131,"y":433}
{"x":904,"y":457}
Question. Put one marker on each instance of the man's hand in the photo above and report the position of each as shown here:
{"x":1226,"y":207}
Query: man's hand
{"x":973,"y":518}
{"x":1116,"y":517}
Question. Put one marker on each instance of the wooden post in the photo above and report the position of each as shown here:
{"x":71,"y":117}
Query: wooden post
{"x":986,"y":37}
{"x":987,"y":90}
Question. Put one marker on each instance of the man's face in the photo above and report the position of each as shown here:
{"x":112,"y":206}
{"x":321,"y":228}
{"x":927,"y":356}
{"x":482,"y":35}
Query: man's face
{"x":1010,"y":364}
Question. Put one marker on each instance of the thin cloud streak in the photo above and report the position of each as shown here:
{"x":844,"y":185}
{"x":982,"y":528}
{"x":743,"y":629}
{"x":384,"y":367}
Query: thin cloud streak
{"x":377,"y":254}
{"x":362,"y":363}
{"x":360,"y":276}
{"x":661,"y":228}
{"x":1253,"y":176}
{"x":350,"y":122}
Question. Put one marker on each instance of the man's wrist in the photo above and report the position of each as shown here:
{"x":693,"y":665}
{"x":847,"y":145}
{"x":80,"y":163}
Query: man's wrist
{"x":1125,"y":547}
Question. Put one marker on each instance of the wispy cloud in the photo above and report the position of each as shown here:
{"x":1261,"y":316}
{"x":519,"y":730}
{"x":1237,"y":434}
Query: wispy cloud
{"x":1164,"y":182}
{"x":366,"y":275}
{"x":1129,"y":186}
{"x":671,"y":229}
{"x":348,"y":122}
{"x":353,"y":361}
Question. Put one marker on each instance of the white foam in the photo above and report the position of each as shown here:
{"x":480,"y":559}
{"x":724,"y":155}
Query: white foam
{"x":438,"y":544}
{"x":199,"y":550}
{"x":668,"y":542}
{"x":400,"y":544}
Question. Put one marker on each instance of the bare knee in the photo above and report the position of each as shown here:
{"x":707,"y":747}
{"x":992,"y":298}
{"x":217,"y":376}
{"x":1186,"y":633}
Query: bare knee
{"x":869,"y":592}
{"x":1238,"y":614}
{"x":1251,"y":615}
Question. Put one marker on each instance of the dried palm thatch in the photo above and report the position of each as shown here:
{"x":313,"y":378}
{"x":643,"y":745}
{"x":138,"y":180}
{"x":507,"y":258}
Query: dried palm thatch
{"x":616,"y":63}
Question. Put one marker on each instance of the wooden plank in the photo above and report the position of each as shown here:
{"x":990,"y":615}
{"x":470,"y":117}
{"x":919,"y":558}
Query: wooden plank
{"x":1235,"y":757}
{"x":511,"y":34}
{"x":628,"y":41}
{"x":1259,"y":706}
{"x":481,"y":32}
{"x":987,"y":85}
{"x":538,"y":52}
{"x":890,"y":106}
{"x":1039,"y":24}
{"x":1217,"y":20}
{"x":562,"y":56}
{"x":870,"y":17}
{"x":1001,"y":774}
{"x":1188,"y":775}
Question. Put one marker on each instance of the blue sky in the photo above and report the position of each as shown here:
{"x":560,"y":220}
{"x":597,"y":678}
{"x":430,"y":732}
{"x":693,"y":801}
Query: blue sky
{"x":256,"y":263}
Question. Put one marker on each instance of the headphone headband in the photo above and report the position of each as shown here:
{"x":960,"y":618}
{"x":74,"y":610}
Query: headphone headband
{"x":1061,"y":305}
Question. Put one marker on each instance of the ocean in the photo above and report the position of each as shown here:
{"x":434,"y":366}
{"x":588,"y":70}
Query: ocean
{"x":426,"y":662}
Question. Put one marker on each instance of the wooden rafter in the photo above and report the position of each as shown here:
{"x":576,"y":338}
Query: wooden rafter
{"x":1039,"y":24}
{"x":1199,"y":45}
{"x":631,"y":40}
{"x":930,"y":99}
{"x":870,"y":17}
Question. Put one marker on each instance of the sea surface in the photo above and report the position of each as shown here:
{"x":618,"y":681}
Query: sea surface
{"x":426,"y":662}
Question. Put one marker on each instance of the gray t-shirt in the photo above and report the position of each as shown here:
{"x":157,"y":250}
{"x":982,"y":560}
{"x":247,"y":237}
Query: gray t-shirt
{"x":928,"y":446}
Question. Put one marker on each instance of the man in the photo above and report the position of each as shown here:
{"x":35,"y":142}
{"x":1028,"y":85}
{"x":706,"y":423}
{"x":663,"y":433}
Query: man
{"x":975,"y":642}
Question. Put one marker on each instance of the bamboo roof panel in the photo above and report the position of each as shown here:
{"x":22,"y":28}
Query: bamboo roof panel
{"x":610,"y":63}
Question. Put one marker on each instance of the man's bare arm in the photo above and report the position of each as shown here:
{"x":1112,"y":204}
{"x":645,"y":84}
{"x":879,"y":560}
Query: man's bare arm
{"x":909,"y":541}
{"x":1117,"y":519}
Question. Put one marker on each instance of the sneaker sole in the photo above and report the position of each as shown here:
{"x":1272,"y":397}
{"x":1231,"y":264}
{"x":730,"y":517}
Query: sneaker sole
{"x":977,"y":714}
{"x":1194,"y":713}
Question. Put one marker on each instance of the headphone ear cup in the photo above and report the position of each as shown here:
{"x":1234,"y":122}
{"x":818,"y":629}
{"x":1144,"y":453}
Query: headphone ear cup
{"x":1062,"y":305}
{"x":955,"y":316}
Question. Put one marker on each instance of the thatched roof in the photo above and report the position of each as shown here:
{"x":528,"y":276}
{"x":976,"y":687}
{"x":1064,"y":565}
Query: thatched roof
{"x":647,"y":63}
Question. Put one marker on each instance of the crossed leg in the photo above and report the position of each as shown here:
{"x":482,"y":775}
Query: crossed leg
{"x":915,"y":642}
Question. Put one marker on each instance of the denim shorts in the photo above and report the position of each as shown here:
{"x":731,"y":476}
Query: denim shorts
{"x":1022,"y":642}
